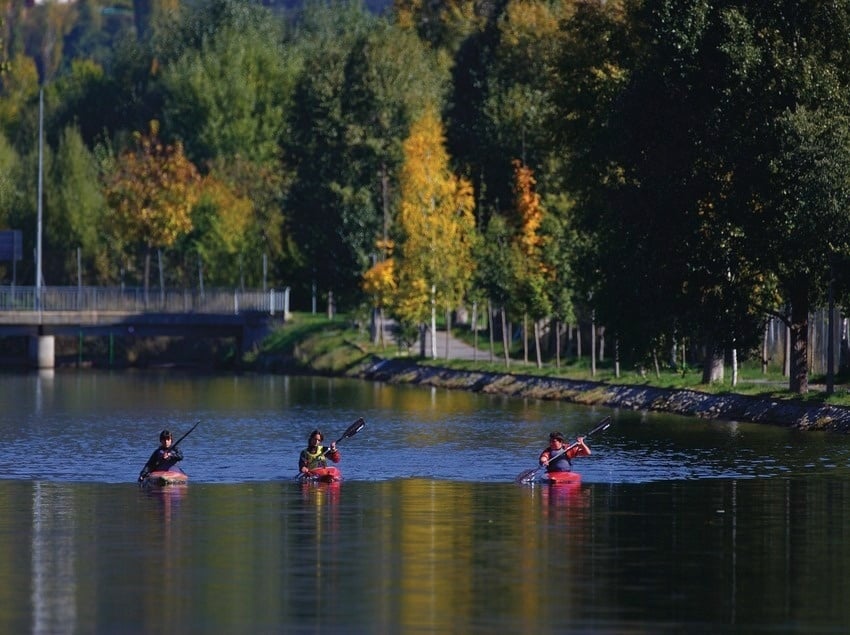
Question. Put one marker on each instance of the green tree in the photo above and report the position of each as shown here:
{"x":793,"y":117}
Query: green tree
{"x":651,"y":163}
{"x":75,"y":212}
{"x":332,"y":217}
{"x":788,"y":118}
{"x":229,"y":92}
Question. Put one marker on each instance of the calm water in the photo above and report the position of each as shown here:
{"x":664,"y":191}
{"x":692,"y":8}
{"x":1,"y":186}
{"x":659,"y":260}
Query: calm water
{"x":679,"y":525}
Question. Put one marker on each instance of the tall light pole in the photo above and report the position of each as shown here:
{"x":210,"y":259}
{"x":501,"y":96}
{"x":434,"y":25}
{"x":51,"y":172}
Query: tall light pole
{"x":40,"y":182}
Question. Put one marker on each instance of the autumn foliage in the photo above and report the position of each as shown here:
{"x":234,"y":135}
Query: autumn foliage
{"x":151,"y":192}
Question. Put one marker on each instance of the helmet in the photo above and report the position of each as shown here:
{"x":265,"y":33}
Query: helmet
{"x":165,"y":434}
{"x":556,"y":436}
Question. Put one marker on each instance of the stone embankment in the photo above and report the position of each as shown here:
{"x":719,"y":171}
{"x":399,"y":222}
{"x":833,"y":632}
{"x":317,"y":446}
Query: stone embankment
{"x":683,"y":402}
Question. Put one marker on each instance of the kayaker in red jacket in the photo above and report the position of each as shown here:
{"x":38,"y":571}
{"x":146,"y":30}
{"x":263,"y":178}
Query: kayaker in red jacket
{"x":315,"y":455}
{"x":163,"y":458}
{"x":557,"y":457}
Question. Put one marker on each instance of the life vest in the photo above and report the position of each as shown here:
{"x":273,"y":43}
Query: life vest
{"x":315,"y":459}
{"x":560,"y":463}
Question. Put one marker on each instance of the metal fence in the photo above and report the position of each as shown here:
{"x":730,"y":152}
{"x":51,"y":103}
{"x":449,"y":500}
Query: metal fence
{"x":137,"y":300}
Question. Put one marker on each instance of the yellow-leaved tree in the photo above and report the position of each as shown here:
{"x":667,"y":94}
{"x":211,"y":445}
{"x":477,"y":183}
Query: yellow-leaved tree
{"x":150,"y":191}
{"x":379,"y":283}
{"x":531,"y":270}
{"x":220,"y":233}
{"x":436,"y":229}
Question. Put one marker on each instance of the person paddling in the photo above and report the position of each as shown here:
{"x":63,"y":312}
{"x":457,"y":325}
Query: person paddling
{"x":315,"y":455}
{"x":163,"y":458}
{"x":557,"y":457}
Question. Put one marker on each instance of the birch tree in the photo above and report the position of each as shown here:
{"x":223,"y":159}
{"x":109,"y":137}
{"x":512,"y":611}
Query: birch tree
{"x":436,"y":227}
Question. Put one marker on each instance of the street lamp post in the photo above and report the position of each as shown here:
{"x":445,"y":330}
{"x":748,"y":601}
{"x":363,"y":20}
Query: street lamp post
{"x":40,"y":185}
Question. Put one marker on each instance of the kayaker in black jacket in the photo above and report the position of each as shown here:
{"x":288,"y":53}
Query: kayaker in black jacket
{"x":557,"y":457}
{"x":163,"y":458}
{"x":315,"y":455}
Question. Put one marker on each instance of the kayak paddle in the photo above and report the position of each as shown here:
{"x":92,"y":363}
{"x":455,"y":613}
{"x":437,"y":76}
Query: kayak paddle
{"x":529,"y":475}
{"x":174,"y":445}
{"x":350,"y":431}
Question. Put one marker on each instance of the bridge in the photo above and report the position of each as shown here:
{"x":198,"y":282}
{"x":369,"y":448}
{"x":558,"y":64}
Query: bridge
{"x":41,"y":314}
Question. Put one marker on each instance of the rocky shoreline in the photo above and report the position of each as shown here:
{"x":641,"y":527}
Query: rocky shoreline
{"x":683,"y":402}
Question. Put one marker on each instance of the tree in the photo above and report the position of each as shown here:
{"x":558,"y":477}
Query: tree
{"x":789,"y":115}
{"x":229,"y":91}
{"x":18,"y":90}
{"x":654,"y":164}
{"x":436,"y":227}
{"x":494,"y":272}
{"x":332,"y":216}
{"x":379,"y":284}
{"x":76,"y":210}
{"x":151,"y":191}
{"x":220,"y":228}
{"x":533,"y":274}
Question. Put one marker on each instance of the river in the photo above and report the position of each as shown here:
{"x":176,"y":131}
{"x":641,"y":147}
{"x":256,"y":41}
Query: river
{"x":678,"y":525}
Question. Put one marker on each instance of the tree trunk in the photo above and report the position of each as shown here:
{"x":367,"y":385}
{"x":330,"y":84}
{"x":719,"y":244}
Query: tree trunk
{"x":537,"y":344}
{"x":161,"y":279}
{"x":601,"y":343}
{"x":147,"y":276}
{"x":474,"y":331}
{"x":830,"y":344}
{"x":448,"y":330}
{"x":593,"y":344}
{"x":433,"y":322}
{"x":617,"y":357}
{"x":798,"y":381}
{"x":505,"y":340}
{"x":734,"y":367}
{"x":422,"y":348}
{"x":525,"y":338}
{"x":578,"y":340}
{"x":373,"y":326}
{"x":764,"y":351}
{"x":712,"y":366}
{"x":490,"y":327}
{"x":557,"y":344}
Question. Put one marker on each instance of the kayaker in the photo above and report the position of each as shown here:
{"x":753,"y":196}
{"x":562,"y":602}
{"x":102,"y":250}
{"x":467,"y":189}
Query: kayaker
{"x":315,"y":455}
{"x":163,"y":458}
{"x":557,"y":457}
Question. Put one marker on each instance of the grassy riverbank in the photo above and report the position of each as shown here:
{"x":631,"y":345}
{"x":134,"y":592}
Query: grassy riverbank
{"x":311,"y":343}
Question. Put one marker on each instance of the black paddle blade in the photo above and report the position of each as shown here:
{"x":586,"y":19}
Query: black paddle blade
{"x":527,"y":476}
{"x":353,"y":429}
{"x":602,"y":425}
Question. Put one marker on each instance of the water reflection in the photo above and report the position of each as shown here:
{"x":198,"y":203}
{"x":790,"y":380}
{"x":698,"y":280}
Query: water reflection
{"x":418,"y":555}
{"x":54,"y":566}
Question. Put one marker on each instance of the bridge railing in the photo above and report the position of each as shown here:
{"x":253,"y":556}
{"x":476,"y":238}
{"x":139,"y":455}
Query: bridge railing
{"x":137,"y":300}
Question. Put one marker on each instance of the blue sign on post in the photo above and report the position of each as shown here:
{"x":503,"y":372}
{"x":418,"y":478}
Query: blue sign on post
{"x":11,"y":245}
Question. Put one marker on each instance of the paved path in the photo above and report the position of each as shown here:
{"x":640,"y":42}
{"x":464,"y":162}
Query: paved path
{"x":458,"y":349}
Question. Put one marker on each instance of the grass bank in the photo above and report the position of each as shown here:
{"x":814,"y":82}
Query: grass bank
{"x":314,"y":344}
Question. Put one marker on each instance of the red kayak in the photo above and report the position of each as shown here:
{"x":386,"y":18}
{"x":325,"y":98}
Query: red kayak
{"x":555,"y":478}
{"x":322,"y":475}
{"x":161,"y":478}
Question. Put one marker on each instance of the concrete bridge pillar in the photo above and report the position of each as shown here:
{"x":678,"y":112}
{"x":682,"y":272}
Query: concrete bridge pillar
{"x":42,"y":351}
